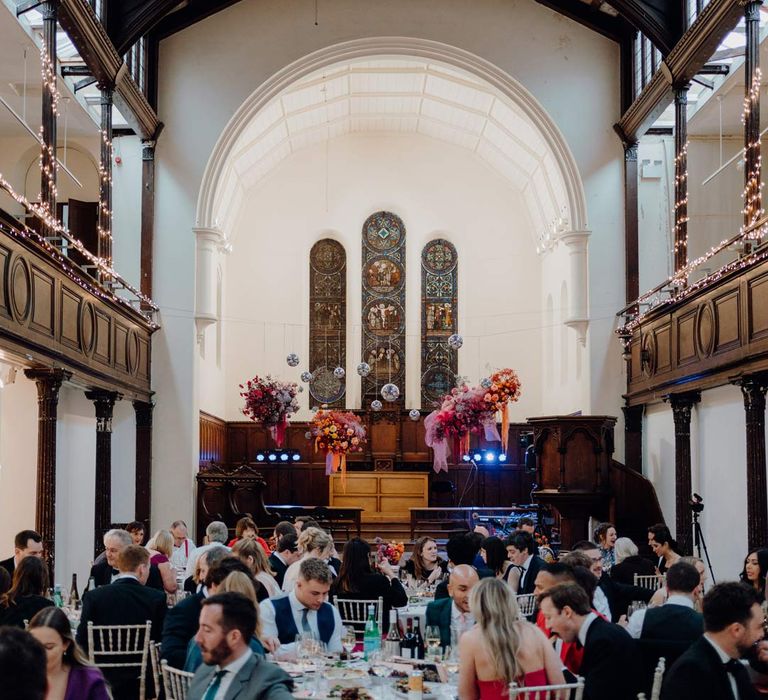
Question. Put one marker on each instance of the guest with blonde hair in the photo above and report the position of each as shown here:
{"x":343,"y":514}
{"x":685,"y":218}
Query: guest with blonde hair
{"x":160,"y":549}
{"x":251,"y":553}
{"x":313,"y":543}
{"x":501,"y":649}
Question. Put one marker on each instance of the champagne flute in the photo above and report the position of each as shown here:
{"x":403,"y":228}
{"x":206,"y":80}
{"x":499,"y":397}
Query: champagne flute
{"x":432,"y":641}
{"x":348,"y":640}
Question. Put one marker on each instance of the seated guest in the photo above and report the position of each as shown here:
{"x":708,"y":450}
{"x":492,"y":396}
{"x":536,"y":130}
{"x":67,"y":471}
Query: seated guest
{"x":712,"y":666}
{"x":115,"y":541}
{"x":520,"y":548}
{"x":217,"y":573}
{"x":609,"y":665}
{"x":160,"y":548}
{"x":494,"y":555}
{"x":461,"y":549}
{"x":660,"y":596}
{"x":182,"y":619}
{"x":70,"y":676}
{"x":629,"y":562}
{"x":246,"y":528}
{"x":235,"y":582}
{"x":358,"y":581}
{"x":126,"y":601}
{"x":227,"y":624}
{"x":22,"y":665}
{"x":217,"y":535}
{"x":501,"y":649}
{"x":251,"y":553}
{"x":135,"y":529}
{"x":425,"y":564}
{"x":286,"y":552}
{"x":668,"y":630}
{"x":605,"y":537}
{"x":313,"y":544}
{"x":754,"y":572}
{"x":304,"y":522}
{"x":303,"y":610}
{"x":453,"y":615}
{"x":207,"y":560}
{"x":182,"y":545}
{"x":26,"y":596}
{"x":281,"y":529}
{"x":27,"y":543}
{"x":663,"y":546}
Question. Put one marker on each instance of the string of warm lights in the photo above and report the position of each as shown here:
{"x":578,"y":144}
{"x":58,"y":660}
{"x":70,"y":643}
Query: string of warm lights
{"x":104,"y":226}
{"x":753,"y":185}
{"x":48,"y":163}
{"x":681,"y":218}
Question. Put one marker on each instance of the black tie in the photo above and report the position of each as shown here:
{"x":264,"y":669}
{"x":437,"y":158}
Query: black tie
{"x":740,"y":674}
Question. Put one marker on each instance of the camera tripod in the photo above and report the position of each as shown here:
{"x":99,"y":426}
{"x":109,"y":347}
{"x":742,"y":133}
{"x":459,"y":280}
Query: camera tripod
{"x":699,"y":542}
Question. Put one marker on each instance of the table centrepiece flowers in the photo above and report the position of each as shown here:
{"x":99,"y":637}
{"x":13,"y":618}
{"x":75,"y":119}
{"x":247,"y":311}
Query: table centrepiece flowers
{"x":505,"y":387}
{"x":391,"y":551}
{"x":336,"y":433}
{"x":270,"y":402}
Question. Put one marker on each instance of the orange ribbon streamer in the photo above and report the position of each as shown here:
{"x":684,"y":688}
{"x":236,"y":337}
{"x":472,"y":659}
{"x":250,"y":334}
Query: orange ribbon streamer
{"x":504,"y":428}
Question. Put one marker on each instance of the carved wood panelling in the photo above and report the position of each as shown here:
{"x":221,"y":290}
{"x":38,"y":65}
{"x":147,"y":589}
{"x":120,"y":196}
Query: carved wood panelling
{"x":46,"y":314}
{"x":213,"y":440}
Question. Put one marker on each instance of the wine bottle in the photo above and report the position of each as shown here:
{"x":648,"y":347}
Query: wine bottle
{"x":419,"y":646}
{"x":408,"y":645}
{"x":394,"y":639}
{"x":372,"y":634}
{"x":74,"y":596}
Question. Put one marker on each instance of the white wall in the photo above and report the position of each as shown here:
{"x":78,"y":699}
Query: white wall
{"x":126,"y":208}
{"x":123,"y":463}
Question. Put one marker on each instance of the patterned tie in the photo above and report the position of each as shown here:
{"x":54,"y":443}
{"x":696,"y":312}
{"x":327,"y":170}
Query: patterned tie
{"x":305,"y":622}
{"x":213,"y":688}
{"x":740,"y":674}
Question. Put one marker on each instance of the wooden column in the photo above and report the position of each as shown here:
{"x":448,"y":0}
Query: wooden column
{"x":49,"y":114}
{"x":147,"y":214}
{"x":753,"y":389}
{"x":105,"y":179}
{"x":681,"y":178}
{"x":143,"y":411}
{"x":753,"y":208}
{"x":631,"y":225}
{"x":633,"y":437}
{"x":48,"y":383}
{"x":682,"y":404}
{"x":104,"y":403}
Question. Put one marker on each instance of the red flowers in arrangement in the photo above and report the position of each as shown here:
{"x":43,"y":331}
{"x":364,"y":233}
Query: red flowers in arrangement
{"x":270,"y":402}
{"x":337,"y":433}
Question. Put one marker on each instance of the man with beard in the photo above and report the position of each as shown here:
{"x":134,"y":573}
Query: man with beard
{"x":712,"y":668}
{"x":231,"y":670}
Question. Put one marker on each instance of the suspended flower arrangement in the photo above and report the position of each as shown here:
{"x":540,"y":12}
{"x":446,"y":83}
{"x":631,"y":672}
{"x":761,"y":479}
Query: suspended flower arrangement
{"x":505,"y":387}
{"x":336,"y":433}
{"x":270,"y":402}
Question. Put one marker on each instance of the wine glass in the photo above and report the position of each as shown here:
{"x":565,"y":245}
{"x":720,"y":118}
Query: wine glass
{"x":378,"y":660}
{"x":451,"y":663}
{"x":348,"y":640}
{"x":432,"y":641}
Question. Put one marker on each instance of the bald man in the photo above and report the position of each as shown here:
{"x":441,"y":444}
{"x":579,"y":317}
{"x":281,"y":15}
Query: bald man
{"x":452,"y":614}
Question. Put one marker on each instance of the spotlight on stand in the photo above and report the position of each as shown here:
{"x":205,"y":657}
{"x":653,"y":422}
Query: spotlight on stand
{"x":485,"y":456}
{"x":278,"y":456}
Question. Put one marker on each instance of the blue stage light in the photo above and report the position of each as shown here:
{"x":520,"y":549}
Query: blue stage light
{"x":490,"y":456}
{"x":272,"y":457}
{"x":502,"y":457}
{"x":259,"y":457}
{"x":467,"y":458}
{"x":283,"y":457}
{"x":296,"y":457}
{"x":477,"y":456}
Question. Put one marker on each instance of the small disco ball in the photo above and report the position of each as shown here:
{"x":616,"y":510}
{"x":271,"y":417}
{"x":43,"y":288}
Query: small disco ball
{"x":486,"y":383}
{"x":292,"y":360}
{"x":390,"y":392}
{"x":315,"y":409}
{"x":363,"y":369}
{"x":455,"y":341}
{"x":376,"y":405}
{"x":339,"y":373}
{"x":300,"y":389}
{"x":414,"y":414}
{"x":308,"y":435}
{"x":307,"y":377}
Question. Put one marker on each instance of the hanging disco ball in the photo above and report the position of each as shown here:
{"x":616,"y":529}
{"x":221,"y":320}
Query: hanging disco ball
{"x":292,"y":360}
{"x":300,"y":389}
{"x":486,"y":383}
{"x":414,"y":414}
{"x":307,"y":377}
{"x":308,"y":435}
{"x":363,"y":369}
{"x":390,"y":392}
{"x":376,"y":405}
{"x":455,"y":341}
{"x":315,"y":409}
{"x":339,"y":373}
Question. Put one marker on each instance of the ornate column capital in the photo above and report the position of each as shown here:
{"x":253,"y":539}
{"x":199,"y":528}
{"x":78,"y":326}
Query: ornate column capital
{"x":104,"y":403}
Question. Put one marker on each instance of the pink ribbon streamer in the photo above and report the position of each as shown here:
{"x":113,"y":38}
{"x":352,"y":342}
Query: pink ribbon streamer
{"x":277,"y":432}
{"x":491,"y":432}
{"x":328,"y":463}
{"x":439,"y":446}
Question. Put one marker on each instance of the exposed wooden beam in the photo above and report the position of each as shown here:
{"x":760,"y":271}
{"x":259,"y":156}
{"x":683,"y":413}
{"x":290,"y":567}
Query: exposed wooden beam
{"x":194,"y":11}
{"x":614,"y":28}
{"x":130,"y":21}
{"x":660,"y":20}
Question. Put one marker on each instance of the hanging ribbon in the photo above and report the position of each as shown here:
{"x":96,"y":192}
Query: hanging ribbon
{"x":491,"y":431}
{"x":277,"y":432}
{"x":439,"y":445}
{"x":335,"y":462}
{"x":504,"y":427}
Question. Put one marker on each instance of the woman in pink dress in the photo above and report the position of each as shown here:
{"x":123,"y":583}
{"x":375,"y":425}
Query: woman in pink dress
{"x":501,"y":649}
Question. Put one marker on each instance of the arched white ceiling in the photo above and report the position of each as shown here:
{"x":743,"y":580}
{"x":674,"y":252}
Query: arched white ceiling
{"x":397,"y":94}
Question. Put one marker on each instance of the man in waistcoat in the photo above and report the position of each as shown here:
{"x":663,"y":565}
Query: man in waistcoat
{"x":668,"y":630}
{"x":303,"y":611}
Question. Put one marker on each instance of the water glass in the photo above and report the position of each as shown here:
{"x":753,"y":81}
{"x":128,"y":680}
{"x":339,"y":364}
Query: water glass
{"x":432,"y":641}
{"x":378,"y":661}
{"x":348,"y":640}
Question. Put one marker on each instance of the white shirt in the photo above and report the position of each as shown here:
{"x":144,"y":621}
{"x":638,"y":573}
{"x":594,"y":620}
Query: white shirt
{"x":725,"y":659}
{"x":194,"y":555}
{"x":588,"y":620}
{"x":600,"y":603}
{"x":232,"y":670}
{"x":460,"y":622}
{"x":127,"y":575}
{"x":635,"y":625}
{"x":269,"y":626}
{"x":180,"y":554}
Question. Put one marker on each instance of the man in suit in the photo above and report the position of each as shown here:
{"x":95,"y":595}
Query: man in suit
{"x":27,"y":543}
{"x":231,"y":670}
{"x":302,"y":610}
{"x":106,"y":571}
{"x":461,"y":549}
{"x":217,"y":535}
{"x":286,"y":552}
{"x":521,"y":548}
{"x":712,"y":668}
{"x":126,"y":601}
{"x":610,"y":666}
{"x":452,"y":615}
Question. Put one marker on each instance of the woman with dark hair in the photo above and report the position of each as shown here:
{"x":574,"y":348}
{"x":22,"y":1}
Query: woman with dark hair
{"x":70,"y":676}
{"x":663,"y":546}
{"x":425,"y":564}
{"x":605,"y":536}
{"x":755,"y":570}
{"x":494,"y":554}
{"x":246,"y":529}
{"x":359,"y":581}
{"x":26,"y":595}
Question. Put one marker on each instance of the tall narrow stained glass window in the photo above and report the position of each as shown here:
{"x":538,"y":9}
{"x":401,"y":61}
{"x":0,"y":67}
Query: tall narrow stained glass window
{"x":383,"y":305}
{"x":327,"y":321}
{"x":439,"y":320}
